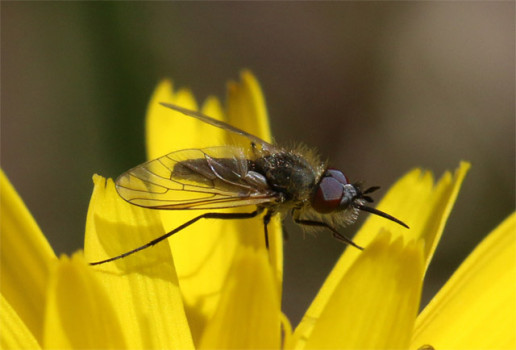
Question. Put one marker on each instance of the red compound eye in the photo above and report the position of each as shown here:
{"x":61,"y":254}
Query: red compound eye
{"x":328,"y":195}
{"x":337,"y":175}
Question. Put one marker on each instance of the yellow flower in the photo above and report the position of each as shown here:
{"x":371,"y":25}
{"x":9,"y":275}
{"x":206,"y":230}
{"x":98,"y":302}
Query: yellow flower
{"x":215,"y":285}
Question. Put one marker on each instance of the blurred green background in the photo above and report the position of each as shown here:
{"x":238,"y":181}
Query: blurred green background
{"x":379,"y":88}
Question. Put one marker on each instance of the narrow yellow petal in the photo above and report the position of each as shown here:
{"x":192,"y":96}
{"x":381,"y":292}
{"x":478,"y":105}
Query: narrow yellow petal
{"x":442,"y":202}
{"x":213,"y":108}
{"x":247,"y":110}
{"x":143,"y":287}
{"x":79,"y":314}
{"x":168,"y":130}
{"x":476,"y":308}
{"x":413,"y":199}
{"x":25,"y":259}
{"x":197,"y":250}
{"x":158,"y":142}
{"x":375,"y":304}
{"x":14,"y":334}
{"x":204,"y":252}
{"x":425,"y":207}
{"x":248,"y":315}
{"x":246,"y":106}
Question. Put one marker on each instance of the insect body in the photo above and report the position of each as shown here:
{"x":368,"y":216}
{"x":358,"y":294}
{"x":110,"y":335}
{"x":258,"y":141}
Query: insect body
{"x":271,"y":178}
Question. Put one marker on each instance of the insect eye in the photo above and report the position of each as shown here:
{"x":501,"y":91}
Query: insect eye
{"x":328,"y":195}
{"x":337,"y":175}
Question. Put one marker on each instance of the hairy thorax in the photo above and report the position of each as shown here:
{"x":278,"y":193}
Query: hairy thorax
{"x":289,"y":174}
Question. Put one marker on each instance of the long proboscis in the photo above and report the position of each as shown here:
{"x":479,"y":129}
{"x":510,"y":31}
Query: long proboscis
{"x":381,"y":213}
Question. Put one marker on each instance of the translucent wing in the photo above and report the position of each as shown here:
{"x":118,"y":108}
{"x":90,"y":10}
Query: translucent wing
{"x":220,"y":124}
{"x":211,"y":178}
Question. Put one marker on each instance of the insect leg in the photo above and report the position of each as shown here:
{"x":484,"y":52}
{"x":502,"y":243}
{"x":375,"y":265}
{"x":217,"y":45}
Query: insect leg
{"x":225,"y":216}
{"x":266,"y":220}
{"x":336,"y":233}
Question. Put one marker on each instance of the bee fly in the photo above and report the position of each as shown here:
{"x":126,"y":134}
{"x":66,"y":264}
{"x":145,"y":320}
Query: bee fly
{"x":273,"y":179}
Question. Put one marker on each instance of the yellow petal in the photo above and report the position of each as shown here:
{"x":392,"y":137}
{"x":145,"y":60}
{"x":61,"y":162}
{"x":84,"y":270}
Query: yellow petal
{"x":246,"y":107}
{"x":204,"y":252}
{"x":15,"y":334}
{"x":375,"y":304}
{"x":25,"y":259}
{"x":413,"y":199}
{"x":168,"y":130}
{"x":143,"y":287}
{"x":79,"y":313}
{"x":425,"y":207}
{"x":247,"y":110}
{"x":476,"y":308}
{"x":248,"y":315}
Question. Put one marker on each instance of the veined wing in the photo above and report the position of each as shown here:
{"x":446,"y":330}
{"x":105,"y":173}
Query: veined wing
{"x":220,"y":124}
{"x":211,"y":178}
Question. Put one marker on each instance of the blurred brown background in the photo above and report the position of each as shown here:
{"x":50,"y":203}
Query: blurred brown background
{"x":379,"y":88}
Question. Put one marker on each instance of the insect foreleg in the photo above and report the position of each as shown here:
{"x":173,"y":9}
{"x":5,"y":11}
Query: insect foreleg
{"x":224,"y":216}
{"x":336,"y":233}
{"x":266,"y":220}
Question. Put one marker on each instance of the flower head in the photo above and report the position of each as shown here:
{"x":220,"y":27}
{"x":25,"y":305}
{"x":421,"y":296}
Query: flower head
{"x":216,"y":286}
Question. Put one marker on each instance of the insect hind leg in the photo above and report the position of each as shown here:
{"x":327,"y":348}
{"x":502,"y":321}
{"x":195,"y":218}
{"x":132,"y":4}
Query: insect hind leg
{"x":223,"y":216}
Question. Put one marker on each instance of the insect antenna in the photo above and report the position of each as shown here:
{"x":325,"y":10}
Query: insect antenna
{"x":367,"y":199}
{"x":371,"y":189}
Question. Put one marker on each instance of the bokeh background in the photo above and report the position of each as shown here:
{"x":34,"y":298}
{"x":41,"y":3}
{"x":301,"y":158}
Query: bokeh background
{"x":379,"y":88}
